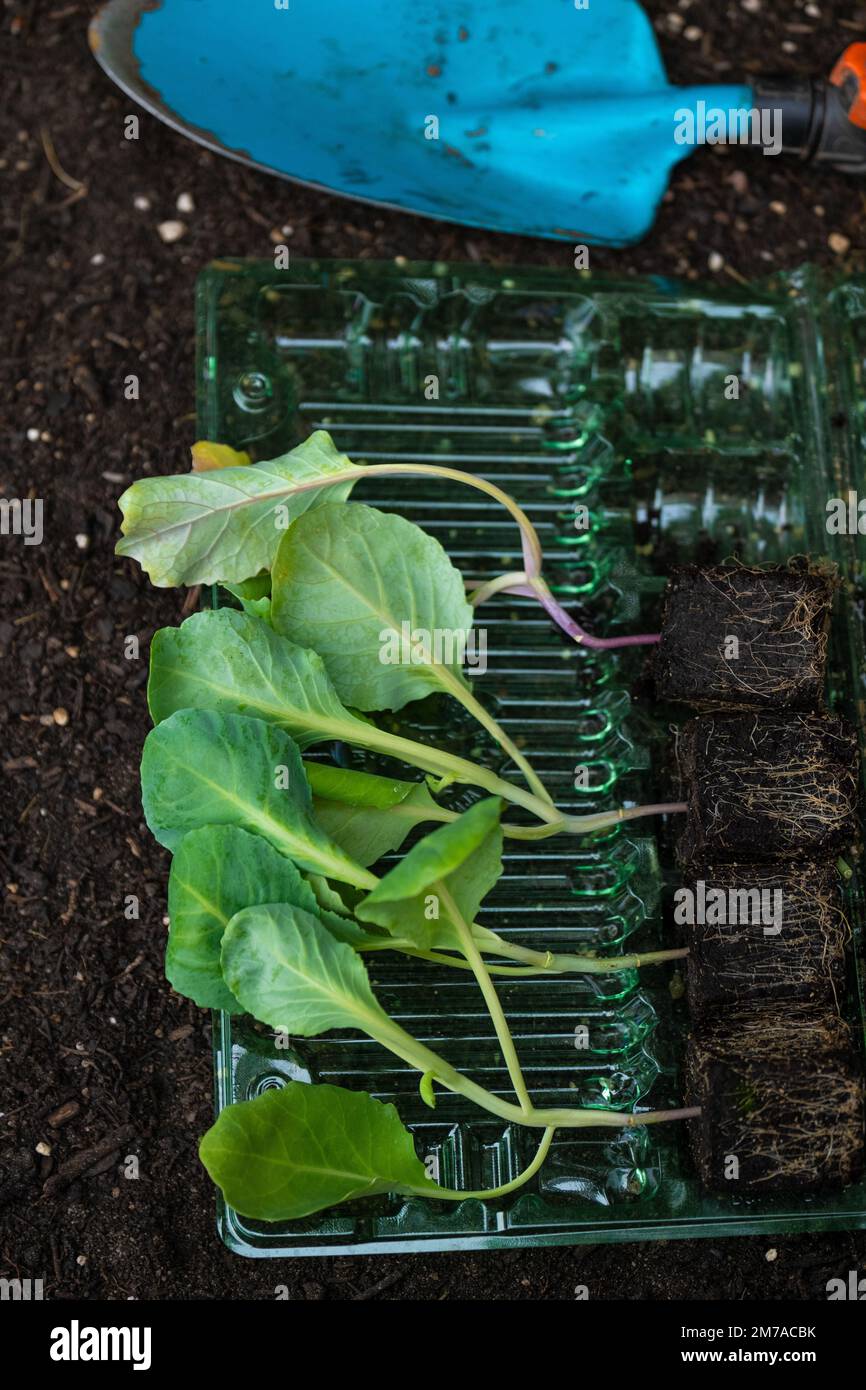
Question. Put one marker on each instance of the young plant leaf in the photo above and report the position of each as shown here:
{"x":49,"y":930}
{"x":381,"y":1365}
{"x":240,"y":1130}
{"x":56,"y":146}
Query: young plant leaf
{"x":207,"y":455}
{"x":297,"y":1150}
{"x":204,"y":768}
{"x":217,"y":870}
{"x":224,"y":524}
{"x":235,"y":663}
{"x":349,"y":581}
{"x":288,"y":971}
{"x":254,"y":595}
{"x":466,"y":856}
{"x":366,"y":815}
{"x":257,"y":587}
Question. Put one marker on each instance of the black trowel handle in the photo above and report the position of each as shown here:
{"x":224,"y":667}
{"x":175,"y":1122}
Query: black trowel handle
{"x":821,"y":121}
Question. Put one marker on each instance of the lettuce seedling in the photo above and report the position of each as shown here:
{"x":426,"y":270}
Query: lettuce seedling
{"x":346,"y":578}
{"x":262,"y":842}
{"x":294,"y":1151}
{"x":206,"y":773}
{"x":235,"y":663}
{"x":223,"y":526}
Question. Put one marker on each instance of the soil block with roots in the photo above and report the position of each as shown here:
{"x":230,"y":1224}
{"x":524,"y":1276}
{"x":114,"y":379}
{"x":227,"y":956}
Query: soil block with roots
{"x":781,"y":1093}
{"x":767,"y":786}
{"x":780,"y":935}
{"x":745,"y":638}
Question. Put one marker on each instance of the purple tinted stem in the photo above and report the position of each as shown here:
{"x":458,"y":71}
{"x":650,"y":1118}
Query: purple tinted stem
{"x":567,"y":623}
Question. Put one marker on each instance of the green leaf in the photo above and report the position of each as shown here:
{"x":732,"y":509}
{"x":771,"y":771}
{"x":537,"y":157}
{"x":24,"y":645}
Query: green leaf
{"x":288,"y":971}
{"x":235,"y":663}
{"x":366,"y":815}
{"x":254,"y":595}
{"x":207,"y":454}
{"x":225,"y":525}
{"x":465,"y":856}
{"x":204,"y":768}
{"x":345,"y":581}
{"x":257,"y":587}
{"x":258,"y":608}
{"x":297,"y":1150}
{"x":216,"y":871}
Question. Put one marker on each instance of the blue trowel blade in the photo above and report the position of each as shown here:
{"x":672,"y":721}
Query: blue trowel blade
{"x":540,"y":118}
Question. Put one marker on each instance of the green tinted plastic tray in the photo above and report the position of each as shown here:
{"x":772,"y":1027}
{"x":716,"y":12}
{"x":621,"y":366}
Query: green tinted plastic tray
{"x":565,"y":390}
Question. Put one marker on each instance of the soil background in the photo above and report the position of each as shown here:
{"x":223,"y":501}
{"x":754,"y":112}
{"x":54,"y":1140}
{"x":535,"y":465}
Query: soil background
{"x":99,"y":1059}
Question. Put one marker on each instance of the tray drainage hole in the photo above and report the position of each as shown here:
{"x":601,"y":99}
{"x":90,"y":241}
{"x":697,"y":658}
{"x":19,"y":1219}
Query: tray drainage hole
{"x":267,"y":1083}
{"x":253,"y":391}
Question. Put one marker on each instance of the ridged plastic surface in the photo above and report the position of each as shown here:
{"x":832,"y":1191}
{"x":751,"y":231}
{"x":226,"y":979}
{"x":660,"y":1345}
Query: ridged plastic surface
{"x":566,"y":391}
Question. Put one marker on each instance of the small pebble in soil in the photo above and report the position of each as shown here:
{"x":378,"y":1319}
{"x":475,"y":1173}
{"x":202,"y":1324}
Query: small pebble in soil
{"x":43,"y":1148}
{"x":751,"y":5}
{"x":171,"y":231}
{"x":185,"y":203}
{"x":141,"y":203}
{"x":715,"y":261}
{"x":61,"y":716}
{"x":838,"y":243}
{"x":779,"y":208}
{"x":771,"y":1255}
{"x":693,"y":34}
{"x":33,"y":436}
{"x":72,"y":651}
{"x":98,"y":258}
{"x":82,"y":540}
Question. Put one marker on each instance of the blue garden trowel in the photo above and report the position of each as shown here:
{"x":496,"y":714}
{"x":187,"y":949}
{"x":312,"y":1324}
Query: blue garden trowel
{"x":550,"y":118}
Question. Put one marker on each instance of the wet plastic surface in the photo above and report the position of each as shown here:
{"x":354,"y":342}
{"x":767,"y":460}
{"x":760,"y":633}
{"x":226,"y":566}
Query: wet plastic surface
{"x":567,"y":392}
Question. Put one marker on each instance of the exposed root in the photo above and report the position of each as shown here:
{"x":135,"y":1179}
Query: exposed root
{"x":781,"y":1094}
{"x":767,"y":785}
{"x":740,"y":962}
{"x":780,"y":619}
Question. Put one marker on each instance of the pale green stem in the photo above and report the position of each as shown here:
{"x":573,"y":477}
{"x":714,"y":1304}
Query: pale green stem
{"x":450,"y":1194}
{"x":537,"y":962}
{"x":550,"y":963}
{"x":482,"y":592}
{"x":406,"y":948}
{"x":491,"y":998}
{"x":486,"y":720}
{"x":423,"y":1059}
{"x":442,"y":764}
{"x":602,"y":820}
{"x":528,"y":532}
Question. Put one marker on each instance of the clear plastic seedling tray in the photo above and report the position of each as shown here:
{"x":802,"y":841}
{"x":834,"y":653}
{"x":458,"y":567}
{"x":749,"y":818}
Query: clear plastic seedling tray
{"x":566,"y":391}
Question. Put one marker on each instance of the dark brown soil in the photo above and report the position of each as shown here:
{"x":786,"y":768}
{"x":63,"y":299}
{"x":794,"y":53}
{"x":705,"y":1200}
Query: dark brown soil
{"x":768,"y":786}
{"x":100,"y":1060}
{"x":745,"y":638}
{"x":764,"y":958}
{"x":782,"y":1094}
